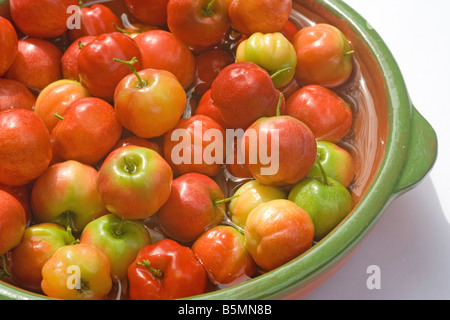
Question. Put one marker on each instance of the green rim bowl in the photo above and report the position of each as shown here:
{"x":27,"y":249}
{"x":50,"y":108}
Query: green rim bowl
{"x":395,"y":148}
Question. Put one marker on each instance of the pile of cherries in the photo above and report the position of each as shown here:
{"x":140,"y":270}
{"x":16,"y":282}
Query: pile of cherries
{"x":113,"y":120}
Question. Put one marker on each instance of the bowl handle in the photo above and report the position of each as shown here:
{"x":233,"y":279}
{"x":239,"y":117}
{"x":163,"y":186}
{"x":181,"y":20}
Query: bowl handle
{"x":422,"y":153}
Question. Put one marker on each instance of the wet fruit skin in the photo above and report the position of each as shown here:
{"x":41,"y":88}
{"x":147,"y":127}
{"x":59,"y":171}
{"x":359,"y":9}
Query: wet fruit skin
{"x":244,"y":92}
{"x":87,"y":131}
{"x":196,"y":24}
{"x":93,"y":268}
{"x":271,"y":51}
{"x":337,"y":162}
{"x":292,"y":158}
{"x":55,"y":98}
{"x":178,"y":58}
{"x":9,"y":41}
{"x":273,"y":244}
{"x":21,"y":193}
{"x":25,"y":148}
{"x":38,"y":244}
{"x":69,"y":60}
{"x":134,"y":182}
{"x":12,"y":222}
{"x":195,"y":157}
{"x":209,"y":63}
{"x":37,"y":63}
{"x":166,"y":270}
{"x":120,"y":239}
{"x":149,"y":12}
{"x":66,"y":194}
{"x":324,"y":56}
{"x":152,"y":109}
{"x":98,"y":72}
{"x":251,"y":194}
{"x":14,"y":94}
{"x":327,"y":115}
{"x":42,"y":18}
{"x":266,"y":16}
{"x":207,"y":108}
{"x":327,"y":203}
{"x":223,"y":254}
{"x":191,"y":208}
{"x":94,"y":21}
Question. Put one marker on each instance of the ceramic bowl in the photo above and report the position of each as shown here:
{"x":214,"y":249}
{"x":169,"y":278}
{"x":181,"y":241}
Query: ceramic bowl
{"x":393,"y":145}
{"x":394,"y":148}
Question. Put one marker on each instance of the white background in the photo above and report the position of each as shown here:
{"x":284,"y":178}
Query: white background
{"x":411,"y":241}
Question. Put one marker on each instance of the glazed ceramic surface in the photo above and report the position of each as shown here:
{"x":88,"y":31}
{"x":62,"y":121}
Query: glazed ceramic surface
{"x":393,"y":145}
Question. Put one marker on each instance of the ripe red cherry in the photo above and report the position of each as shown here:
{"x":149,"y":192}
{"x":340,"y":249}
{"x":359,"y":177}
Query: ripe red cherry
{"x":37,"y":63}
{"x":25,"y":148}
{"x":87,"y":132}
{"x":266,"y":16}
{"x":149,"y":12}
{"x":69,"y":60}
{"x":199,"y":23}
{"x":193,"y":207}
{"x":8,"y":50}
{"x":207,"y":108}
{"x":14,"y":94}
{"x":324,"y":56}
{"x":279,"y":150}
{"x":209,"y":64}
{"x":94,"y":21}
{"x":12,"y":222}
{"x":322,"y":110}
{"x":244,"y":92}
{"x":98,"y":71}
{"x":177,"y":57}
{"x":41,"y":18}
{"x":192,"y":151}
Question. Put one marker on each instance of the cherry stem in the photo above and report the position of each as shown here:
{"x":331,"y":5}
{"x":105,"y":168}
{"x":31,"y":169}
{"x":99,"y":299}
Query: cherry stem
{"x":119,"y":230}
{"x":226,"y":199}
{"x":80,"y":3}
{"x":80,"y":45}
{"x":120,"y":29}
{"x":207,"y":11}
{"x":4,"y":270}
{"x":349,"y":52}
{"x":141,"y":83}
{"x":130,"y":167}
{"x":146,"y":263}
{"x":280,"y":101}
{"x":69,"y":229}
{"x":322,"y":170}
{"x":277,"y":73}
{"x":68,"y":222}
{"x":58,"y":116}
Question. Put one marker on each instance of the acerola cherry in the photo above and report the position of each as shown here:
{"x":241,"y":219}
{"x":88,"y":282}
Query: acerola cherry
{"x":327,"y":115}
{"x":324,"y":56}
{"x":98,"y":72}
{"x":25,"y":148}
{"x":244,"y":92}
{"x":37,"y":63}
{"x":266,"y":16}
{"x":199,"y":23}
{"x":9,"y":40}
